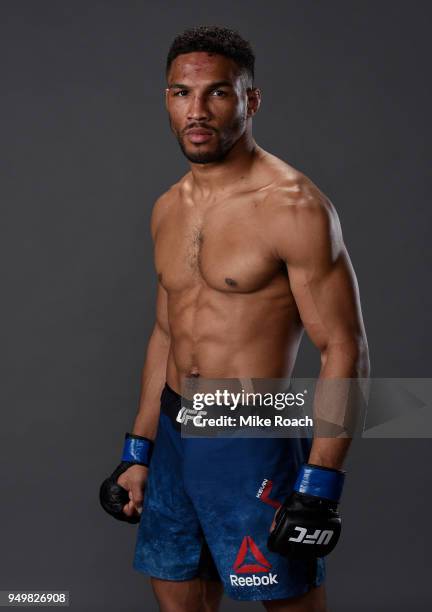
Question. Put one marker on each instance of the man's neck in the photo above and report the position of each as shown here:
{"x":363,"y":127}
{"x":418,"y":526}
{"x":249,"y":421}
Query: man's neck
{"x":217,"y":177}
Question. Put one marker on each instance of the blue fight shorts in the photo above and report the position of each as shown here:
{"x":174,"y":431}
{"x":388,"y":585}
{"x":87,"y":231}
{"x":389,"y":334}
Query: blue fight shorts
{"x":208,"y":507}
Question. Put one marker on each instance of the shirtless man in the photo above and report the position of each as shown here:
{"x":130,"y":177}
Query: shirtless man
{"x":249,"y":254}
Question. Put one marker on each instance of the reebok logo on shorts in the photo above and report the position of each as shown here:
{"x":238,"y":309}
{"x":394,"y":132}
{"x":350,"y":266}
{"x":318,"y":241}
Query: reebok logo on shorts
{"x":242,"y":565}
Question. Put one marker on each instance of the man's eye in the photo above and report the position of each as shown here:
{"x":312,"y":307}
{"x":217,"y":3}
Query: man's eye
{"x":181,"y":93}
{"x":220,"y":93}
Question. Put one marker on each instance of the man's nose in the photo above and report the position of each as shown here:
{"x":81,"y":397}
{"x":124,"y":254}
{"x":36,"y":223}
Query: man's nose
{"x":198,"y":110}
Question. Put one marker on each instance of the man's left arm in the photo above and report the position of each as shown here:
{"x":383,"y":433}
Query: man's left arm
{"x":308,"y":238}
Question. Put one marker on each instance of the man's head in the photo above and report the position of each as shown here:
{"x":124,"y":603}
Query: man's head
{"x":210,"y":96}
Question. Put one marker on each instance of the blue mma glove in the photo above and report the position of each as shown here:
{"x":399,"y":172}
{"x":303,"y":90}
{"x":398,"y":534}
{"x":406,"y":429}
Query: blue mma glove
{"x":308,"y":524}
{"x":137,"y":450}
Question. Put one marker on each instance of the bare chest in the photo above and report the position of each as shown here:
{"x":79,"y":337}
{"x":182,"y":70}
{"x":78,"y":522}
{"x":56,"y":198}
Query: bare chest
{"x":223,"y":248}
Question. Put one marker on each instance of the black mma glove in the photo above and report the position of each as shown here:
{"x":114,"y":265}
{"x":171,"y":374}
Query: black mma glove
{"x":308,"y":524}
{"x":137,"y":450}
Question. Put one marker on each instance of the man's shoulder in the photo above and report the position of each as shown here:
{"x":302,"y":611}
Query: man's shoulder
{"x":166,"y":201}
{"x":291,"y":189}
{"x":295,"y":209}
{"x":168,"y":196}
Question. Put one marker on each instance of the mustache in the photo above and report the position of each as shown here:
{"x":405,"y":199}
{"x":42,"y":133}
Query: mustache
{"x":204,"y":126}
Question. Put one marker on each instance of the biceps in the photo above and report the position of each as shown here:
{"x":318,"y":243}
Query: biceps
{"x":162,"y":310}
{"x":328,"y":301}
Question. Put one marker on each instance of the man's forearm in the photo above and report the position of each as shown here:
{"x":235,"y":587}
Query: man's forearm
{"x":333,"y":404}
{"x":152,"y":382}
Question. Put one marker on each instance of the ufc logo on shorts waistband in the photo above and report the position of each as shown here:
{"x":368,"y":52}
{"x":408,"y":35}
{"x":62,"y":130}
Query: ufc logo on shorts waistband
{"x":188,"y":414}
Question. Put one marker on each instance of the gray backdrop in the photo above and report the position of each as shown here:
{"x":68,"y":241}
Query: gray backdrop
{"x":86,"y":149}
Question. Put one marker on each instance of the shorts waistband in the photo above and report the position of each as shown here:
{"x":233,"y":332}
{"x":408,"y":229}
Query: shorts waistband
{"x":171,"y":404}
{"x":172,"y":393}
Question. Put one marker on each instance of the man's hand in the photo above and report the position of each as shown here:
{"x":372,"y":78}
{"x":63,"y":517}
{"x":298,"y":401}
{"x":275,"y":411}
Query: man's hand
{"x":308,"y":525}
{"x":126,"y":482}
{"x":134,"y":480}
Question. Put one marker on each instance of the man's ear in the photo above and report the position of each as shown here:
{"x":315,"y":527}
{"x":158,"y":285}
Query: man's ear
{"x":254,"y":100}
{"x":166,"y":97}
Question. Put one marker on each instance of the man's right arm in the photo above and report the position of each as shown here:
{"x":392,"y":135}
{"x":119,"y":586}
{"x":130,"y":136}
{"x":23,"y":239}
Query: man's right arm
{"x":147,"y":418}
{"x":154,"y":371}
{"x":155,"y":364}
{"x":133,"y":478}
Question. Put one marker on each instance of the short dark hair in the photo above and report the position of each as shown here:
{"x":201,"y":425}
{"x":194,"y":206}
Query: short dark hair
{"x":214,"y":39}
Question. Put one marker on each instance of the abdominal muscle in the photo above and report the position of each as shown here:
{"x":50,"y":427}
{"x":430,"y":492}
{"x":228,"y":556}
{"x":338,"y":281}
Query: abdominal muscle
{"x":231,"y":335}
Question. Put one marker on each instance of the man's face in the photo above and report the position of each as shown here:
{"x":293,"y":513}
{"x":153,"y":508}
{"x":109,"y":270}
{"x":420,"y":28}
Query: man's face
{"x":207,"y":103}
